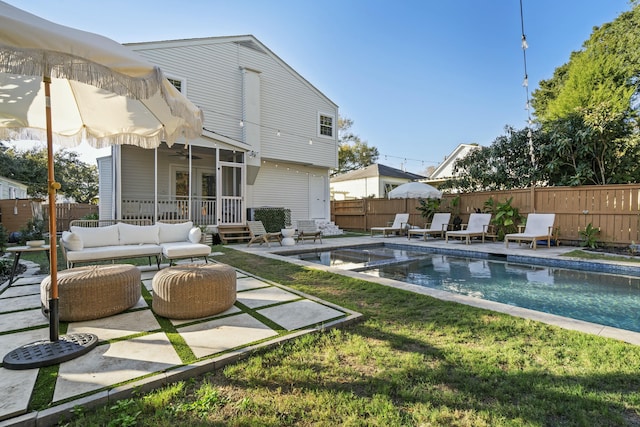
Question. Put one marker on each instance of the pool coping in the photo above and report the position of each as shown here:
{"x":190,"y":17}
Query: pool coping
{"x":542,"y":256}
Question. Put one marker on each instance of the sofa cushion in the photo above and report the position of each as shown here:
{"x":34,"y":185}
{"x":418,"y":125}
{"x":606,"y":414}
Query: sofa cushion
{"x":97,"y":236}
{"x":174,"y":232}
{"x":138,"y":234}
{"x":184,"y":250}
{"x":72,"y":241}
{"x":113,"y":252}
{"x":195,"y":234}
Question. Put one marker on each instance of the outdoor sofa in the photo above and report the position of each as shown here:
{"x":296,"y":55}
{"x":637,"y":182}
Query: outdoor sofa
{"x":121,"y":240}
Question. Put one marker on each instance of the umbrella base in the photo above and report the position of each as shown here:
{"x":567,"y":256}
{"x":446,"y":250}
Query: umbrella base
{"x":44,"y":353}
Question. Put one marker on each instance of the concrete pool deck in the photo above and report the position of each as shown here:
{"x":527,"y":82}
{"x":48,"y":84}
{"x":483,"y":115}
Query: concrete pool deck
{"x":543,"y":255}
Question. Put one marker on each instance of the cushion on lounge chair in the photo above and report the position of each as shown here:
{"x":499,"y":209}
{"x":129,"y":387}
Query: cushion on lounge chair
{"x":538,"y":227}
{"x":400,"y":222}
{"x":438,"y":226}
{"x":477,"y":227}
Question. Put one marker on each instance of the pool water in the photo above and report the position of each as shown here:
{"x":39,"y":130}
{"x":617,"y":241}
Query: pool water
{"x":605,"y":299}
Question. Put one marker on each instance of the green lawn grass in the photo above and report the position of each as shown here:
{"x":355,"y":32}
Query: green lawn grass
{"x":413,"y":360}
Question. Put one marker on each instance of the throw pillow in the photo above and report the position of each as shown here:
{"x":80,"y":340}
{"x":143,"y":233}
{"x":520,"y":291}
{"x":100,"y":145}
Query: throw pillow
{"x":195,"y":234}
{"x":72,"y":241}
{"x":138,"y":234}
{"x":174,"y":232}
{"x":97,"y":236}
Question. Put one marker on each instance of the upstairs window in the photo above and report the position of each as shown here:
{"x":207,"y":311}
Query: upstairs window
{"x":178,"y":84}
{"x":326,"y":125}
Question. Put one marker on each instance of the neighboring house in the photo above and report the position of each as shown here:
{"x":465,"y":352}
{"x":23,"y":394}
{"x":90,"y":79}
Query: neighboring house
{"x":10,"y":189}
{"x":372,"y":181}
{"x":444,"y":170}
{"x":269,"y":139}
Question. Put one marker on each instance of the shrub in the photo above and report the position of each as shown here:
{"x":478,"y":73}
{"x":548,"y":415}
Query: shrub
{"x":4,"y":237}
{"x":428,"y":207}
{"x":33,"y":230}
{"x":589,"y":236}
{"x":273,"y":219}
{"x":504,"y":216}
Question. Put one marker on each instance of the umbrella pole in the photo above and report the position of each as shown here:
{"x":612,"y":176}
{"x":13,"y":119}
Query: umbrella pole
{"x":58,"y":349}
{"x":52,"y":186}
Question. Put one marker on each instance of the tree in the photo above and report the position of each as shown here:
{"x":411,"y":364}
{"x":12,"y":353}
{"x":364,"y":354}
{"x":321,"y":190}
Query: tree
{"x":78,"y":179}
{"x":503,"y":165}
{"x":592,"y":146}
{"x":587,"y":109}
{"x":604,"y":70}
{"x":353,"y":153}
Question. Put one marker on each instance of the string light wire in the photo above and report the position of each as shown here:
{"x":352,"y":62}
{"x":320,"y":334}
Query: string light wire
{"x":525,"y":46}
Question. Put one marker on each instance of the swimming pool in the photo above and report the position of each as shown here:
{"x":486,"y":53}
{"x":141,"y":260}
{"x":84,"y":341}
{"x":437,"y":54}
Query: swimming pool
{"x":602,"y":298}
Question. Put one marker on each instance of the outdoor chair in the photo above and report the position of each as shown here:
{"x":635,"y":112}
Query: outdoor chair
{"x":307,"y":229}
{"x":476,"y":227}
{"x":400,"y":223}
{"x":260,"y":235}
{"x":538,"y":227}
{"x":438,"y":226}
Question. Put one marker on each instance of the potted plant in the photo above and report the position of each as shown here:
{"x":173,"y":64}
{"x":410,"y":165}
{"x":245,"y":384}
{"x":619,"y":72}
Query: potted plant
{"x":33,"y":232}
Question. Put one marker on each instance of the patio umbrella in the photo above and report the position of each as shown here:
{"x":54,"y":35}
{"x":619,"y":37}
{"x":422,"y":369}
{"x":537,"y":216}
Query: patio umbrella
{"x":66,"y":85}
{"x":415,"y":190}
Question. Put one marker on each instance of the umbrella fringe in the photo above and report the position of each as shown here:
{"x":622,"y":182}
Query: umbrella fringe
{"x":70,"y":141}
{"x":36,"y":62}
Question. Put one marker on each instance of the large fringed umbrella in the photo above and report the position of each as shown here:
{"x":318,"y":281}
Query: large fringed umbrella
{"x":64,"y":86}
{"x":415,"y":190}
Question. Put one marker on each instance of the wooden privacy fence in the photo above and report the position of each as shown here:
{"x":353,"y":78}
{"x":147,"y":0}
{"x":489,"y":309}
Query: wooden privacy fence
{"x":15,"y":213}
{"x":614,"y":209}
{"x":67,"y":212}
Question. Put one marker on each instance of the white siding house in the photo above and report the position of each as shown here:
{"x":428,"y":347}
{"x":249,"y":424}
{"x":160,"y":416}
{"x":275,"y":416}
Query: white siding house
{"x":269,"y":139}
{"x":445,"y":171}
{"x":372,"y":181}
{"x":11,"y":189}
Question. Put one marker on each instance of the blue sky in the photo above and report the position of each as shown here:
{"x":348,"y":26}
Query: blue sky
{"x":417,"y":77}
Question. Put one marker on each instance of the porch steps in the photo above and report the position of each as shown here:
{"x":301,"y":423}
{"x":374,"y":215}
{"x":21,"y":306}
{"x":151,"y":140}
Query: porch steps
{"x":233,"y":233}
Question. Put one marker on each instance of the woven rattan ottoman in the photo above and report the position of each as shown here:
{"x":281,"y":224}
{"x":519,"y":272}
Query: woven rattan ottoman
{"x":192,"y":291}
{"x":94,"y":291}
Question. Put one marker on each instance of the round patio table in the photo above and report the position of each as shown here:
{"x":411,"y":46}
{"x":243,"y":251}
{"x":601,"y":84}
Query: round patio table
{"x":17,"y":252}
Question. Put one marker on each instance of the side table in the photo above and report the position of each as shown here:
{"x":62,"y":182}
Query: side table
{"x":287,"y":234}
{"x":17,"y":252}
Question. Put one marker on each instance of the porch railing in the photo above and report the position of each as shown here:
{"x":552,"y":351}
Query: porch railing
{"x":232,"y":209}
{"x":203,"y":209}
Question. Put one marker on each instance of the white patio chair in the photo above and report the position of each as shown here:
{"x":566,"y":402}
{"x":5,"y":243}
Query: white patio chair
{"x":438,"y":226}
{"x":400,"y":222}
{"x":538,"y":227}
{"x":476,"y":227}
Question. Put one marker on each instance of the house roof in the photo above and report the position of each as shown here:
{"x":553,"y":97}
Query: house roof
{"x":444,"y":169}
{"x":14,"y":182}
{"x":376,"y":170}
{"x":248,"y":41}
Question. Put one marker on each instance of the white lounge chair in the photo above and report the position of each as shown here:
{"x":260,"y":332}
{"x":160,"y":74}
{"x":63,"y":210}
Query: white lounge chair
{"x":476,"y":227}
{"x":260,"y":235}
{"x":438,"y":226}
{"x":399,"y":224}
{"x":308,"y":229}
{"x":538,"y":227}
